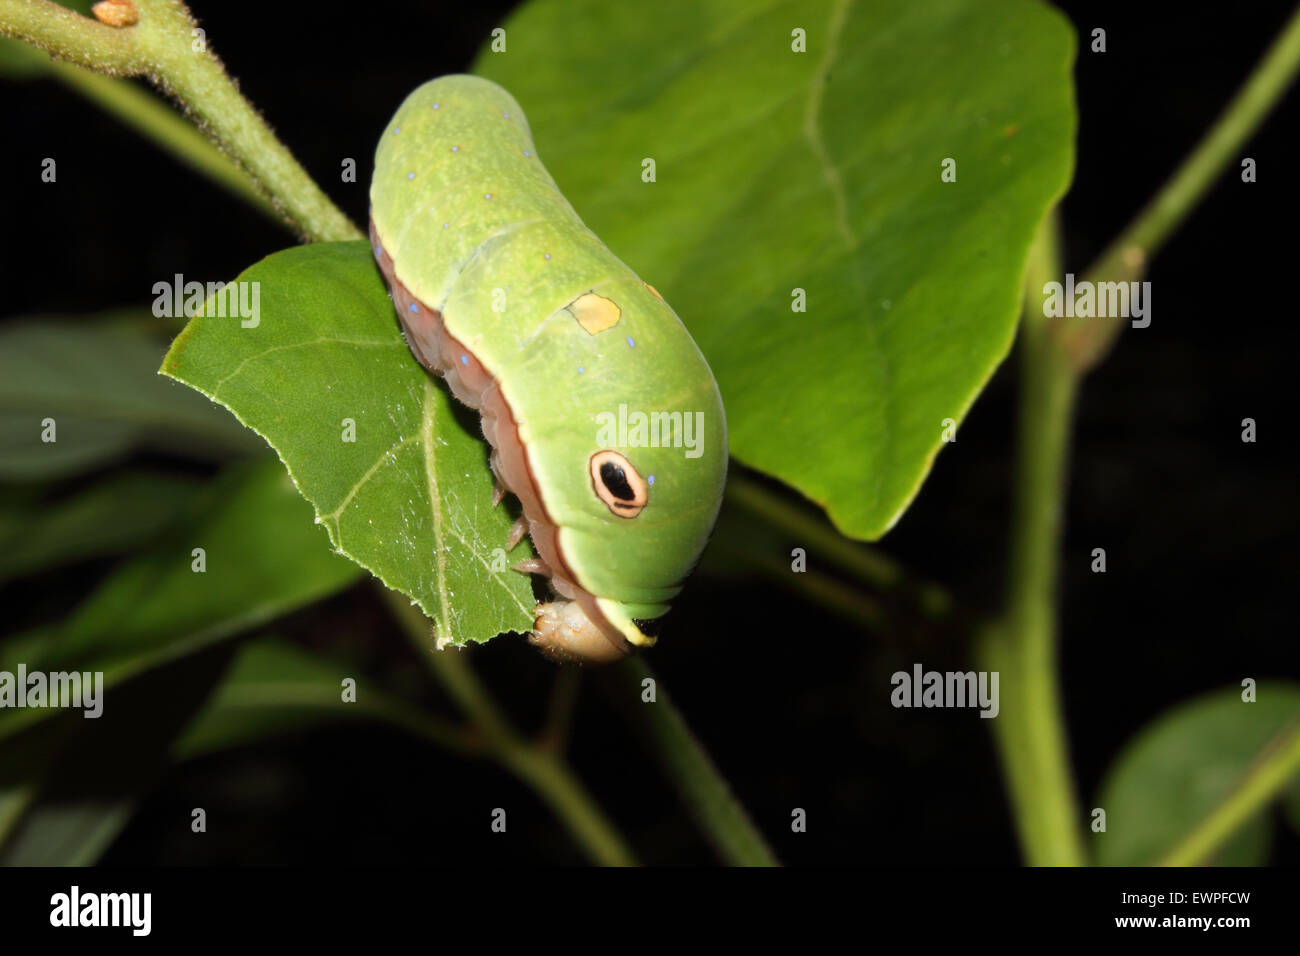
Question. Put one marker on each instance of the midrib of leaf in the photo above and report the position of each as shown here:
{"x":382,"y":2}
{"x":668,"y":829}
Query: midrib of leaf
{"x":812,"y":116}
{"x":435,"y":503}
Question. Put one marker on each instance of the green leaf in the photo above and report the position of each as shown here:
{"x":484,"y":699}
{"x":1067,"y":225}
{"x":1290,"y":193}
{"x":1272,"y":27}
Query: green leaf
{"x":1181,"y":766}
{"x":108,"y":517}
{"x":411,"y":498}
{"x":819,"y":171}
{"x":275,"y":688}
{"x":263,"y":558}
{"x":100,"y":387}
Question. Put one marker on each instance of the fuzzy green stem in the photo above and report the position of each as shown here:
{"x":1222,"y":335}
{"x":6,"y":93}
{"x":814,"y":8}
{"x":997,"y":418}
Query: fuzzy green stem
{"x":166,"y":46}
{"x":153,"y":119}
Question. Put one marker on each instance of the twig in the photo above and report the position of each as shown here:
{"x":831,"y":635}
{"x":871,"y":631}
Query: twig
{"x":1055,"y":354}
{"x":1087,"y":341}
{"x":1271,"y":771}
{"x":866,"y":564}
{"x":703,"y":790}
{"x":166,"y":46}
{"x":153,"y":119}
{"x":1022,"y":646}
{"x":540,"y":768}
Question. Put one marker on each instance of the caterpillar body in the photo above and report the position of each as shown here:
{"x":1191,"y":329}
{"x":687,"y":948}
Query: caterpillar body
{"x":603,"y":416}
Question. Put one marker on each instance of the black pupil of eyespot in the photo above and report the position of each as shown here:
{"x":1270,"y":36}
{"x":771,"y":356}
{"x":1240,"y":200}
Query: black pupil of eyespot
{"x":616,"y":481}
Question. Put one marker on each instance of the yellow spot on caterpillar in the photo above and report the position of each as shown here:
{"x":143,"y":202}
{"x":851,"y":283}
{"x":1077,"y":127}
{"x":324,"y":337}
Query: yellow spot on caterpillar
{"x":594,"y":313}
{"x":654,"y":290}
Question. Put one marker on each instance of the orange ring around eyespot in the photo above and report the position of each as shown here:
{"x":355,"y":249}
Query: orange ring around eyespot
{"x":605,"y":468}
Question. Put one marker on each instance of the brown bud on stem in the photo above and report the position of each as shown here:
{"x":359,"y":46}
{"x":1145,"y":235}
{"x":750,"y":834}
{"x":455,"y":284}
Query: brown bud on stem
{"x":116,"y":13}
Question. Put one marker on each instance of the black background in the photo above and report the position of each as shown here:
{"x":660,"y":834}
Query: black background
{"x":793,"y":703}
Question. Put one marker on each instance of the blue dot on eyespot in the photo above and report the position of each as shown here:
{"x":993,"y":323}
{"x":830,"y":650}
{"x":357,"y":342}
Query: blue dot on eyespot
{"x":435,"y":106}
{"x":487,"y":195}
{"x":414,"y":307}
{"x":581,"y":370}
{"x":464,"y":360}
{"x":630,"y":343}
{"x":526,"y":153}
{"x":410,"y":175}
{"x":376,"y":250}
{"x":397,"y":130}
{"x":455,"y":149}
{"x":650,"y":480}
{"x":506,"y":115}
{"x":446,"y":225}
{"x":548,"y":255}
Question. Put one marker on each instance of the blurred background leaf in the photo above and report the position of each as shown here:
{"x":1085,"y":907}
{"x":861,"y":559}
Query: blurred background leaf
{"x":818,"y":171}
{"x":40,"y":530}
{"x":97,"y":383}
{"x":274,"y":687}
{"x":263,"y":557}
{"x":1182,"y":765}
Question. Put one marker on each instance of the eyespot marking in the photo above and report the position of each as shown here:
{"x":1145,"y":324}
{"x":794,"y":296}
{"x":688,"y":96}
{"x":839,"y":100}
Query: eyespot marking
{"x":594,"y":313}
{"x":618,"y":484}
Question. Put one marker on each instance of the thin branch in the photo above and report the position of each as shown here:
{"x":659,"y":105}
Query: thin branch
{"x":543,"y":770}
{"x":1125,"y":260}
{"x":167,"y":46}
{"x":153,"y":119}
{"x":1022,"y":647}
{"x":554,"y":735}
{"x":866,"y":564}
{"x":1272,"y":770}
{"x":702,"y":789}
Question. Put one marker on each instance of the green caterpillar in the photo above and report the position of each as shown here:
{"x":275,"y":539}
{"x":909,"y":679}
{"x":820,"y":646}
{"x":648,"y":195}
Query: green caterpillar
{"x":603,"y":416}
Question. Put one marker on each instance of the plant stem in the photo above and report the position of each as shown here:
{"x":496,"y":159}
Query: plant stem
{"x":1022,"y":646}
{"x":816,"y":587}
{"x":1125,"y":259}
{"x":1271,"y":771}
{"x":866,"y":564}
{"x":165,"y":46}
{"x":155,"y":120}
{"x":543,"y":770}
{"x":1054,"y":355}
{"x":702,"y":789}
